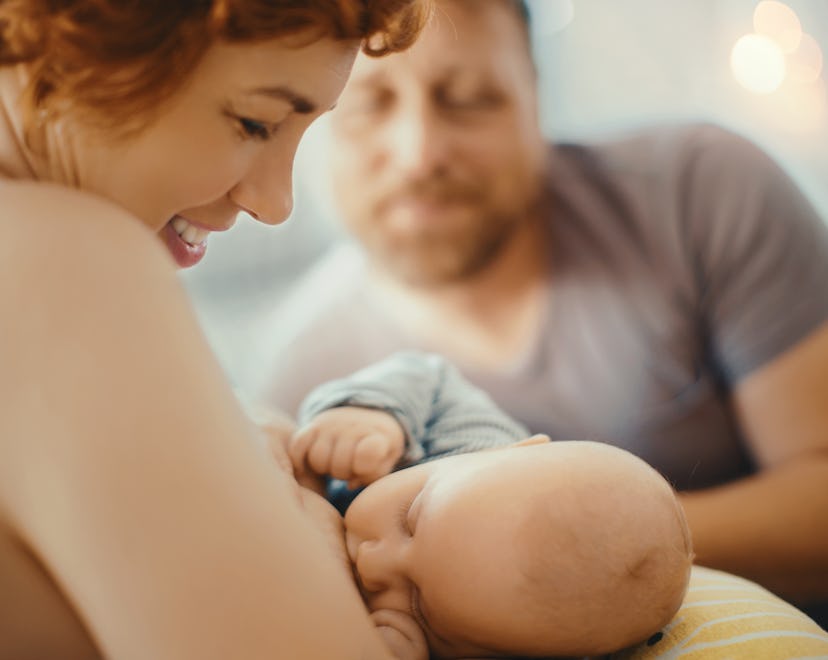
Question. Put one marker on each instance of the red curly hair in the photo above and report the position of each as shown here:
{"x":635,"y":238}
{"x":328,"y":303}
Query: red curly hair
{"x":114,"y":61}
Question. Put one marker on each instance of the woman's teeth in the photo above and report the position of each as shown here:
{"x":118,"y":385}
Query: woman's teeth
{"x":190,"y":234}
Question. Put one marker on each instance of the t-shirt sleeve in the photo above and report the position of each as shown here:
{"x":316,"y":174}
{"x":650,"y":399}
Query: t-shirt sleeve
{"x":759,"y":249}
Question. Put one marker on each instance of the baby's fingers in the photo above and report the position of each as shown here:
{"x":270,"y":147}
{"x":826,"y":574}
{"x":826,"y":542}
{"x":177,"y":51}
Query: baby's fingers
{"x":342,"y":456}
{"x":375,"y":456}
{"x":319,"y":457}
{"x":299,"y":445}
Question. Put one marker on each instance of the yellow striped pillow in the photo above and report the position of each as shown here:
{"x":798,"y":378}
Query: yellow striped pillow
{"x":725,"y":617}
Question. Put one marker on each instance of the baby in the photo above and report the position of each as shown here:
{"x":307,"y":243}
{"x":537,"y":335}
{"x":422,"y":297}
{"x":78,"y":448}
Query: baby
{"x":532,"y":548}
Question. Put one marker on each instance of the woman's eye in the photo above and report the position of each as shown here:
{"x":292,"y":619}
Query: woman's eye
{"x":256,"y":129}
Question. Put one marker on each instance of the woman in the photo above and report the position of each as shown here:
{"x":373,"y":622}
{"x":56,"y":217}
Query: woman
{"x":137,"y":518}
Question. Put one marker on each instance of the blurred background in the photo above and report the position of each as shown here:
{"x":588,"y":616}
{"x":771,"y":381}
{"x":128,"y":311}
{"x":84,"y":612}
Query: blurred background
{"x":605,"y":67}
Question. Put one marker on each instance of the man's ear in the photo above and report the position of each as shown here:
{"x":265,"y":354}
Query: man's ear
{"x":537,"y":439}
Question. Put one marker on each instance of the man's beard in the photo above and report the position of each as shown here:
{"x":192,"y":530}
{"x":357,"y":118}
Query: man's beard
{"x":470,"y":229}
{"x":439,"y":258}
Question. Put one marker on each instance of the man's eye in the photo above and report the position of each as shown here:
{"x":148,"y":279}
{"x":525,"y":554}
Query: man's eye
{"x":367,"y":102}
{"x":469,"y":99}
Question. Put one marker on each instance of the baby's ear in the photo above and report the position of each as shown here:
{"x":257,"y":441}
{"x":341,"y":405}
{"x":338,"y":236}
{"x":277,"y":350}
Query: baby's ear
{"x":537,"y":439}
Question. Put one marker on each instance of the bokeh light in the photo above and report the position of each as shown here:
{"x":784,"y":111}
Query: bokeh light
{"x":805,"y":63}
{"x":551,"y":16}
{"x":805,"y":108}
{"x":758,"y":63}
{"x":778,"y":22}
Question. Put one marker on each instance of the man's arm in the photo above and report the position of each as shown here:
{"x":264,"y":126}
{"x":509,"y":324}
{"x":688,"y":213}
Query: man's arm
{"x":760,"y":252}
{"x":773,"y":526}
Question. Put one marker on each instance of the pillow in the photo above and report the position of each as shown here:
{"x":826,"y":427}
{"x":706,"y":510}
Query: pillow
{"x":725,"y":617}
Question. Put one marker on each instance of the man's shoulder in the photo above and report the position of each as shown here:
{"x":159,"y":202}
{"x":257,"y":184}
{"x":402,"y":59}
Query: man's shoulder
{"x":652,"y":177}
{"x":656,"y":150}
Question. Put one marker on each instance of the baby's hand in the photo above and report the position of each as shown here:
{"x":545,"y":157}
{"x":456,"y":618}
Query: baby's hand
{"x":402,"y":634}
{"x":358,"y":445}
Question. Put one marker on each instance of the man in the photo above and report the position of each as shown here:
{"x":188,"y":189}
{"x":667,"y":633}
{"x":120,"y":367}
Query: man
{"x":667,"y":293}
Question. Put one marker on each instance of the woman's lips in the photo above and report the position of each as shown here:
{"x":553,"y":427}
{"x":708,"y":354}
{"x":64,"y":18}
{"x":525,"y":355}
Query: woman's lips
{"x":185,"y":254}
{"x":187,"y":240}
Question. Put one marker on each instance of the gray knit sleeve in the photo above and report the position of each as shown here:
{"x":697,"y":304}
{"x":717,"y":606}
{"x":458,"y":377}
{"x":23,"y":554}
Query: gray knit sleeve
{"x":440,"y":412}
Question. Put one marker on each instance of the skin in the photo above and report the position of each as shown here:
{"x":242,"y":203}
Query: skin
{"x":463,"y":590}
{"x":224,"y":146}
{"x":767,"y":527}
{"x":129,"y":526}
{"x":358,"y":445}
{"x":424,"y":128}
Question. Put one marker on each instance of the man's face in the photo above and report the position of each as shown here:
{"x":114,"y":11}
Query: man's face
{"x":438,"y":154}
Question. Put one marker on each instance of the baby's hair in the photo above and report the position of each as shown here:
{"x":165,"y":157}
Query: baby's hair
{"x":631,"y":537}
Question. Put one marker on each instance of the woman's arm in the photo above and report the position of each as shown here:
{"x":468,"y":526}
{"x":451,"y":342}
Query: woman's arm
{"x":127,"y":466}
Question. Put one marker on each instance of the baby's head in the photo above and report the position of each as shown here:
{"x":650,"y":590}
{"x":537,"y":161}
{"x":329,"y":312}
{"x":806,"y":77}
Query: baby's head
{"x":537,"y":549}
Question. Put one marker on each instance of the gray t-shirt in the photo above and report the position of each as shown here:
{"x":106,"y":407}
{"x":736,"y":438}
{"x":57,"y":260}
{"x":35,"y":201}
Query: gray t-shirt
{"x":684,"y":259}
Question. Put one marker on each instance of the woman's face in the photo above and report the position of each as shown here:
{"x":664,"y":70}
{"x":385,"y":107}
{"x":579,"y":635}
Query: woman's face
{"x":224,"y":143}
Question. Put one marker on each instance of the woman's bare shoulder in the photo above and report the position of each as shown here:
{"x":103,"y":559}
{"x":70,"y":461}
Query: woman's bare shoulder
{"x":78,"y":277}
{"x":39,"y":218}
{"x":127,"y":465}
{"x":66,"y":256}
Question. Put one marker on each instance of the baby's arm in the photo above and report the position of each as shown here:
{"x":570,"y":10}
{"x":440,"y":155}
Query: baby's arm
{"x":465,"y":418}
{"x":358,"y":445}
{"x":439,"y":411}
{"x":403,"y":385}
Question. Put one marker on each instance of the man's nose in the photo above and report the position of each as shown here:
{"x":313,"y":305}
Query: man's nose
{"x":420,"y":139}
{"x":379,"y":566}
{"x":266,"y":190}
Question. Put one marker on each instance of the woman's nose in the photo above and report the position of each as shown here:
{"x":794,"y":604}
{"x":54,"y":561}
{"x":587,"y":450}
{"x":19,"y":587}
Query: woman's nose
{"x":266,"y":191}
{"x":379,"y":566}
{"x":271,"y":206}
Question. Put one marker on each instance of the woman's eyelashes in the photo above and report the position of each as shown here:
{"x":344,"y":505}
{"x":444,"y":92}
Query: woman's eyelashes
{"x":251,"y":129}
{"x":256,"y":130}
